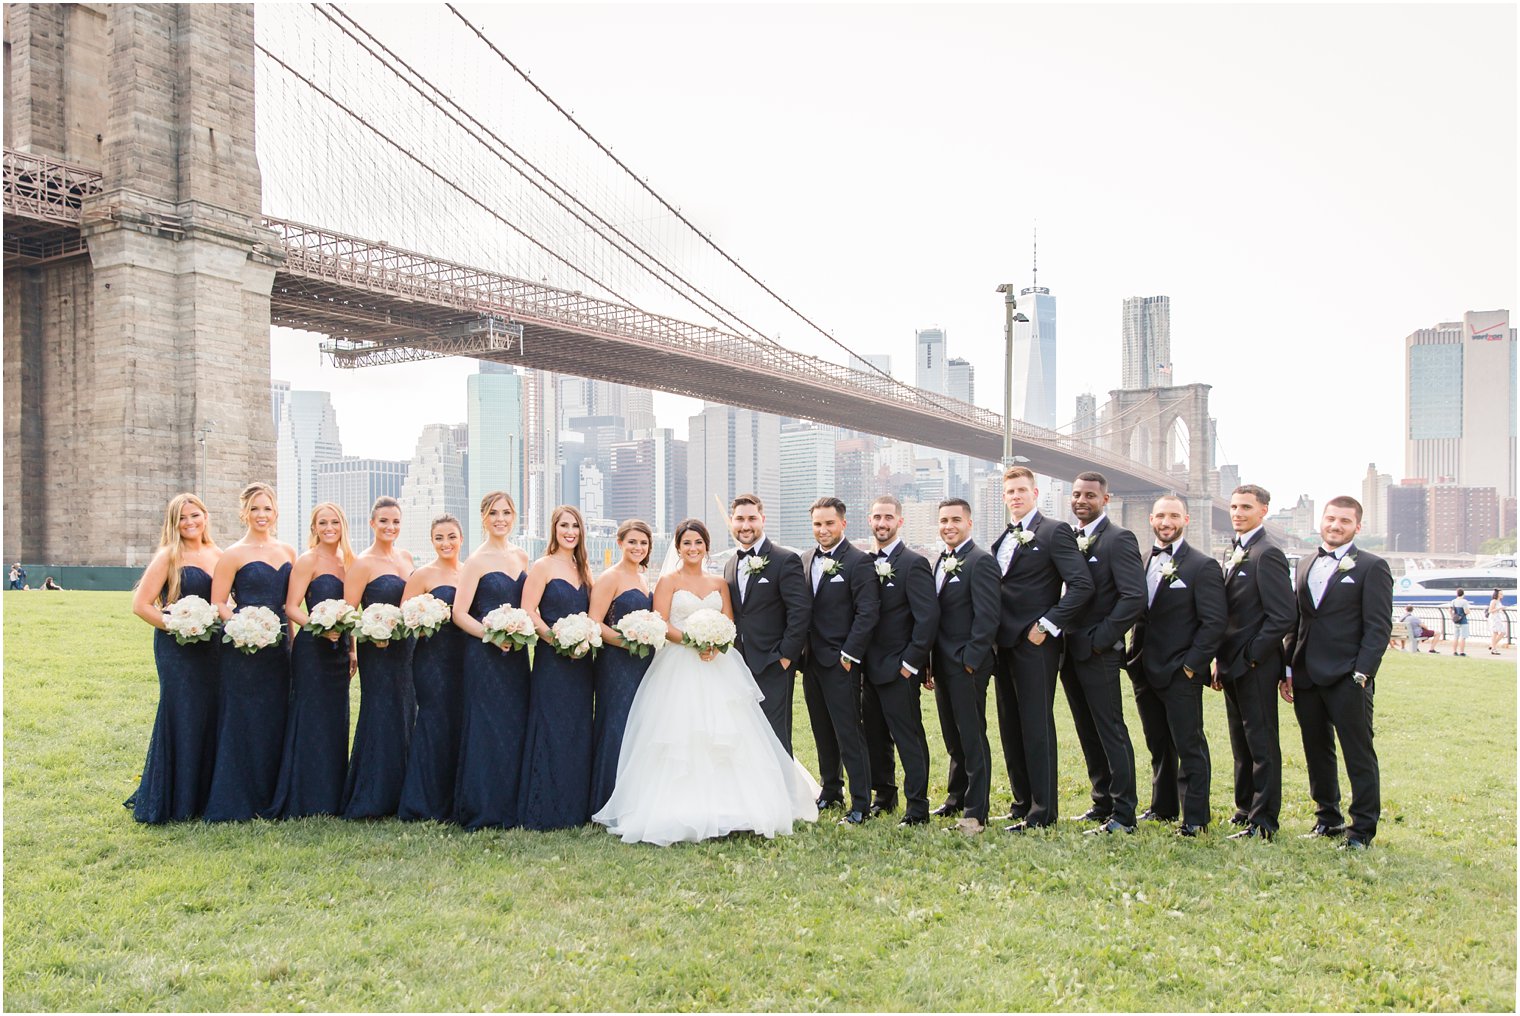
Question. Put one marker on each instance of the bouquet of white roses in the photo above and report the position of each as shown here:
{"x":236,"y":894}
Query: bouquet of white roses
{"x":191,"y":619}
{"x":709,"y":629}
{"x":332,"y":615}
{"x":643,"y":631}
{"x":575,"y":635}
{"x":424,"y":614}
{"x":253,"y":628}
{"x":380,"y":623}
{"x":509,"y":628}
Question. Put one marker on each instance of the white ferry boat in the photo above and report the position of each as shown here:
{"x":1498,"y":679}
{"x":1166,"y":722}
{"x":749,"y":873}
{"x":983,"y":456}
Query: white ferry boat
{"x":1439,"y":585}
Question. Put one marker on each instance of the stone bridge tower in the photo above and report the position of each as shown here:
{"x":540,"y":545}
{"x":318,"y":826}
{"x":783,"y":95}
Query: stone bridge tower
{"x":122,"y":352}
{"x":1168,"y":429}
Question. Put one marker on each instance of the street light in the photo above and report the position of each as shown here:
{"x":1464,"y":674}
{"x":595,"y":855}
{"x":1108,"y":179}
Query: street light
{"x":206,"y":427}
{"x":1010,"y":308}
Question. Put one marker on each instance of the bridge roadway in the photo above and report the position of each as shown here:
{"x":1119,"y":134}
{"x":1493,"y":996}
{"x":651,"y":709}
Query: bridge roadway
{"x":381,"y":304}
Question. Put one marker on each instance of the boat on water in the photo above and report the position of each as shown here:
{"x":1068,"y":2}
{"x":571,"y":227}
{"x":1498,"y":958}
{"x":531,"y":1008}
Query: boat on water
{"x":1431,"y":586}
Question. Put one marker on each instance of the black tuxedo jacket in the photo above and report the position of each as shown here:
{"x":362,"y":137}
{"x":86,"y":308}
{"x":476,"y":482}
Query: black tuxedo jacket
{"x":773,"y":619}
{"x":1118,"y":600}
{"x":909,"y":618}
{"x":845,"y":607}
{"x":968,"y":613}
{"x":1348,"y":632}
{"x":1263,"y":611}
{"x":1031,"y":588}
{"x":1184,"y":623}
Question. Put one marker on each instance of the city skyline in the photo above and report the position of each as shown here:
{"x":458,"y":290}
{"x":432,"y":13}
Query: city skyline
{"x":1258,"y":200}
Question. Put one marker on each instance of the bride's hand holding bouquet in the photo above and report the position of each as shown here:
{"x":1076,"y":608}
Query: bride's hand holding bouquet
{"x":709,"y":632}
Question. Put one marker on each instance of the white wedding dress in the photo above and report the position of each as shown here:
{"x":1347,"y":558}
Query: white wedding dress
{"x":699,"y":758}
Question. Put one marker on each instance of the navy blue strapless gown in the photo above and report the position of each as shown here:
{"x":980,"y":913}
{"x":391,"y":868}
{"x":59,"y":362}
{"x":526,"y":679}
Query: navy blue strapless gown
{"x":250,"y":727}
{"x":315,"y":759}
{"x":428,"y":792}
{"x":556,"y":770}
{"x":387,"y":707}
{"x":618,"y":673}
{"x":176,"y":776}
{"x":495,"y":717}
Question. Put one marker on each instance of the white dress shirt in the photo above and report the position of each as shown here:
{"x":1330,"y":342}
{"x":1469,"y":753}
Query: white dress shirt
{"x":1153,"y":569}
{"x":1323,"y":570}
{"x":887,"y":551}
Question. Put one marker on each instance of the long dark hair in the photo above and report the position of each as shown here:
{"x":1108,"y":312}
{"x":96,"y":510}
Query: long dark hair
{"x":692,"y":526}
{"x":578,"y":553}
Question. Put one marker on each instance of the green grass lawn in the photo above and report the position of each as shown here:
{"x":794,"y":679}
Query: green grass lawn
{"x":101,"y":913}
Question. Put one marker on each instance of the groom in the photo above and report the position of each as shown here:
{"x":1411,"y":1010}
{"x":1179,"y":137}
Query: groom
{"x":771,"y":610}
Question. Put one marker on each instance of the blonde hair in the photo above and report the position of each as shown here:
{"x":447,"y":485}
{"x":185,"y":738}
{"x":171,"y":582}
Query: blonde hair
{"x":578,"y":554}
{"x":253,"y":490}
{"x":345,"y":549}
{"x":169,"y":538}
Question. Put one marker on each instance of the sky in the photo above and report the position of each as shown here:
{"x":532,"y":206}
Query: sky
{"x":1308,"y":184}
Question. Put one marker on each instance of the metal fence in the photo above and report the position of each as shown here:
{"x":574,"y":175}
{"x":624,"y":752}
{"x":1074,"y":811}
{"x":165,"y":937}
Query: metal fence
{"x":1438,"y":620}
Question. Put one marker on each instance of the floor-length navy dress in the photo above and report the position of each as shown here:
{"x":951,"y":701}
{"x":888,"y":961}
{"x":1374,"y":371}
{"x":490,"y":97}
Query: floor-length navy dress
{"x":556,"y":772}
{"x":495,"y":717}
{"x":433,"y":762}
{"x":618,"y":673}
{"x":250,"y":727}
{"x":315,"y":758}
{"x":176,"y":776}
{"x":387,"y":707}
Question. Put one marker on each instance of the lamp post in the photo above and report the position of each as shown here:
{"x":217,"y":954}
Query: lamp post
{"x":206,"y":427}
{"x":1011,"y":313}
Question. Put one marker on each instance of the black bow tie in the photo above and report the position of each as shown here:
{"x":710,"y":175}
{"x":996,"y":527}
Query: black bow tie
{"x":1325,"y":553}
{"x":881,"y":554}
{"x":1236,"y":543}
{"x":826,"y":553}
{"x":746,"y":553}
{"x":1160,"y":550}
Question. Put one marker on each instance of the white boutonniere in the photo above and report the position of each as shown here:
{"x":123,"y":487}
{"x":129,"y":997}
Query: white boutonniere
{"x":751,"y":565}
{"x":1346,"y":563}
{"x":1169,"y":572}
{"x":831,"y":566}
{"x":1240,"y":555}
{"x":884,"y":570}
{"x":1024,"y":536}
{"x":1085,"y":543}
{"x":952,"y":565}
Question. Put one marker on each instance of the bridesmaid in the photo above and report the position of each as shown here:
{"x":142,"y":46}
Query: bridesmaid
{"x":250,"y":726}
{"x":428,"y":792}
{"x":619,"y":591}
{"x":315,"y":759}
{"x":495,"y":689}
{"x":556,"y":770}
{"x":177,"y":774}
{"x":387,"y":704}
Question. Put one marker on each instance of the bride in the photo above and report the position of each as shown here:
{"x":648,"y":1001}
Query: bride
{"x":699,"y":760}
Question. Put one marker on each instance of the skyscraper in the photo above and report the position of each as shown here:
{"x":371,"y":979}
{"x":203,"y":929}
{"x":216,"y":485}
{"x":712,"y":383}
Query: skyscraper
{"x":872,"y":362}
{"x":278,"y":390}
{"x":1147,"y":361}
{"x":352,"y":484}
{"x":807,"y":473}
{"x":731,"y":451}
{"x":495,"y":418}
{"x":307,"y":437}
{"x":1034,"y":359}
{"x":1375,"y":501}
{"x":541,"y":453}
{"x":435,"y":483}
{"x":929,"y":359}
{"x":647,"y":480}
{"x":1460,"y":402}
{"x":1085,"y":427}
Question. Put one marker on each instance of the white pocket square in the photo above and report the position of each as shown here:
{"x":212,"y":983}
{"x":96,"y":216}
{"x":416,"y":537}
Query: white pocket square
{"x":1349,"y":579}
{"x":1179,"y":584}
{"x":764,"y":579}
{"x":954,"y":579}
{"x":891,"y":585}
{"x":1092,"y":560}
{"x":837,"y":578}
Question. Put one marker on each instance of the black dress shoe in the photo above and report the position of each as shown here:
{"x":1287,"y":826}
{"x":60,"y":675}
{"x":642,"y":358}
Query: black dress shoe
{"x":878,"y":808}
{"x":825,"y":803}
{"x":1239,"y":818}
{"x":1113,"y":825}
{"x":1320,"y":829}
{"x":913,"y":820}
{"x":947,"y":810}
{"x":1252,"y":832}
{"x":1018,"y":827}
{"x":1189,"y":831}
{"x":1150,"y":816}
{"x":853,"y":818}
{"x":1354,"y":843}
{"x":1094,"y":815}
